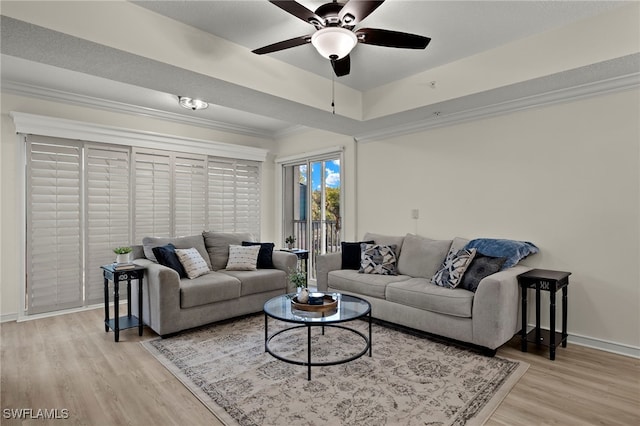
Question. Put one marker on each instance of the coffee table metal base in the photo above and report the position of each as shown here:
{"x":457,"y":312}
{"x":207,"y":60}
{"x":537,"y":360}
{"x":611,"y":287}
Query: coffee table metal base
{"x":309,"y":363}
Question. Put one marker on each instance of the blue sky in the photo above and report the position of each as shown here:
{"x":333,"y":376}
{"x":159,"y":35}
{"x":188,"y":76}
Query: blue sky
{"x":332,"y":174}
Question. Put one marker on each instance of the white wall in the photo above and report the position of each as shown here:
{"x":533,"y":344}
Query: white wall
{"x":12,"y":172}
{"x":565,"y":177}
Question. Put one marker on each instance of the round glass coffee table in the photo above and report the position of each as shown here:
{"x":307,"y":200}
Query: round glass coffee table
{"x":348,"y":308}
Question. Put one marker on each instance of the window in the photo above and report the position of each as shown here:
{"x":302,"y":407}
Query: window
{"x":84,"y":199}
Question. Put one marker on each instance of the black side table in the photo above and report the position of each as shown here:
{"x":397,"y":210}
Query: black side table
{"x":551,"y":281}
{"x":112,"y":273}
{"x":303,"y":255}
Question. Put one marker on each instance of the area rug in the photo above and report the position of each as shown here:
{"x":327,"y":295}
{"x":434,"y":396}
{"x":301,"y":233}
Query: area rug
{"x":409,"y":380}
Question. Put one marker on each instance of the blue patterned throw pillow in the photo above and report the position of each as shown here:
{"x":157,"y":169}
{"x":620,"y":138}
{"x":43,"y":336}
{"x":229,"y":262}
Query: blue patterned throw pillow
{"x":378,"y":259}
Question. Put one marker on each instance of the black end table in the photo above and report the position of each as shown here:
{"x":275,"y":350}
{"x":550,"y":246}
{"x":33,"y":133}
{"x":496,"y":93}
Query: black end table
{"x":113,"y":273}
{"x":551,"y":281}
{"x":303,"y":256}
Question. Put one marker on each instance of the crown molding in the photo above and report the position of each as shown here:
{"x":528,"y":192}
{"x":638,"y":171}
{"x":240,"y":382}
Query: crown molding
{"x":71,"y":129}
{"x":436,"y":120}
{"x":54,"y":95}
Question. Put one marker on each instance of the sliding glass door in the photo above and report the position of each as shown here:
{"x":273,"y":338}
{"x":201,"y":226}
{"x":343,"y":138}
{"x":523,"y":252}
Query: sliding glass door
{"x":312,"y":206}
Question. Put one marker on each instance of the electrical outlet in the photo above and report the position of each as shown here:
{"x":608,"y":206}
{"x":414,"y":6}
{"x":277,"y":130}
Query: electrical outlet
{"x":415,"y":214}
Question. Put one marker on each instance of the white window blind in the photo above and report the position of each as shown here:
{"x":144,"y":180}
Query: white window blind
{"x":107,"y":177}
{"x":54,"y":237}
{"x":190,"y":184}
{"x":84,"y":199}
{"x":234,"y":195}
{"x":153,"y":195}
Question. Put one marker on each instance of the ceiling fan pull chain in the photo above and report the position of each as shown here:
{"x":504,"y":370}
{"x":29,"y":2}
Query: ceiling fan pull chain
{"x":333,"y":94}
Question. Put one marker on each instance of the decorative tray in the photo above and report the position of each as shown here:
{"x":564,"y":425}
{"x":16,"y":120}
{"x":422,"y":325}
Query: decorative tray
{"x":329,"y":303}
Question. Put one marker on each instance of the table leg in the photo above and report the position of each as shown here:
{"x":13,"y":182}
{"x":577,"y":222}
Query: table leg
{"x":116,"y":307}
{"x":523,"y":333}
{"x":106,"y":304}
{"x":129,"y":297}
{"x":537,"y":313}
{"x":308,"y":352}
{"x":266,"y":333}
{"x":140,"y":326}
{"x":564,"y":316}
{"x":552,"y":325}
{"x":370,"y":342}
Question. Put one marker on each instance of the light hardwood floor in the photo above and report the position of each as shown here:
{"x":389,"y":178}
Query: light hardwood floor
{"x":69,"y":362}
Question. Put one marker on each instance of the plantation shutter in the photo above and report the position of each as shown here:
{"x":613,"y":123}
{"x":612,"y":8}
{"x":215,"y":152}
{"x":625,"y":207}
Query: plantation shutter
{"x":107,"y":213}
{"x":234,"y":195}
{"x":54,"y":224}
{"x":153,"y":198}
{"x":190,"y":195}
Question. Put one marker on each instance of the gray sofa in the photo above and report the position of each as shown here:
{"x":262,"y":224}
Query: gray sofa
{"x":172,"y":304}
{"x":486,"y":318}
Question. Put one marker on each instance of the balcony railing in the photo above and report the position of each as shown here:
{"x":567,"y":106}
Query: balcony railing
{"x":325,"y":238}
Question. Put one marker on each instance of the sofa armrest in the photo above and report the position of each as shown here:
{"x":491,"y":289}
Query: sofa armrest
{"x":496,"y":307}
{"x":161,"y":296}
{"x":287,"y":262}
{"x":326,"y":263}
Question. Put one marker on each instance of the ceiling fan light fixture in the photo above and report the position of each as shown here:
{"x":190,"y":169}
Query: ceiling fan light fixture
{"x":334,"y":42}
{"x":192,"y":104}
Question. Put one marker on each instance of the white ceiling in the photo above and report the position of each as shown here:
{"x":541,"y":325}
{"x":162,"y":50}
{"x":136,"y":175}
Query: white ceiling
{"x":459,"y":29}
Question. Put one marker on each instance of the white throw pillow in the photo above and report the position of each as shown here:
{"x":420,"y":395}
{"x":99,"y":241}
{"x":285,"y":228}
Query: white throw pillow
{"x":243,"y":258}
{"x":193,"y":263}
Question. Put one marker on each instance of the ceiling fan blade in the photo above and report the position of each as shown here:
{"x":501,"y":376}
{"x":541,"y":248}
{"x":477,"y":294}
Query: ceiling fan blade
{"x":356,"y":10}
{"x":342,"y":66}
{"x":299,"y":11}
{"x":281,"y":45}
{"x":391,"y":38}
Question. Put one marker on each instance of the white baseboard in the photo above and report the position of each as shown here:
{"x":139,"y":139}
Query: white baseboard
{"x":603,"y":345}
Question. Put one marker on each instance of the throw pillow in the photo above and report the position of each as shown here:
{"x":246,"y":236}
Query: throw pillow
{"x":481,"y":267}
{"x":453,"y":268}
{"x":378,"y":259}
{"x":167,"y":256}
{"x":265,"y":255}
{"x":351,"y":254}
{"x":218,"y":243}
{"x":192,"y":262}
{"x":193,"y":241}
{"x":422,"y":257}
{"x":513,"y":251}
{"x":242,"y":258}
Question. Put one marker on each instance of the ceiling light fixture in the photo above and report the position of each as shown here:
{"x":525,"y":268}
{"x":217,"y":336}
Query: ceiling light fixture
{"x":192,"y":104}
{"x":334,"y":42}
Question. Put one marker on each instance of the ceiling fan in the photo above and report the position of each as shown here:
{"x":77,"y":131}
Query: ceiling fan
{"x":335,"y":36}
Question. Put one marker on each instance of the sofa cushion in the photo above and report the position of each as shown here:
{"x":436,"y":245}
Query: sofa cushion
{"x":422,"y":257}
{"x":480,"y":267}
{"x":378,"y":259}
{"x":386,"y":240}
{"x":420,"y":293}
{"x":195,"y":241}
{"x":208,"y":288}
{"x":514,"y":251}
{"x":453,"y":268}
{"x":351,"y":254}
{"x":217,"y":245}
{"x":365,"y":284}
{"x":166,"y":256}
{"x":242,"y":258}
{"x":260,"y":280}
{"x":265,"y":256}
{"x":193,"y":263}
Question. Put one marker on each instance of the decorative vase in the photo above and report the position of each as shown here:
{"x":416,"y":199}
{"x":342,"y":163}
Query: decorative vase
{"x":303,"y":295}
{"x":123,"y":258}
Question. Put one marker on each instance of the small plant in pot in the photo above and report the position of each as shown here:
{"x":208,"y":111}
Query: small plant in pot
{"x":299,"y":279}
{"x":123,"y":254}
{"x":290,"y":240}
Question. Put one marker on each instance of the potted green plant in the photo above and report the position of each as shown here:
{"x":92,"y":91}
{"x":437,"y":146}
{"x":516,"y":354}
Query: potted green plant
{"x":123,"y":254}
{"x":298,"y":278}
{"x":290,"y":240}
